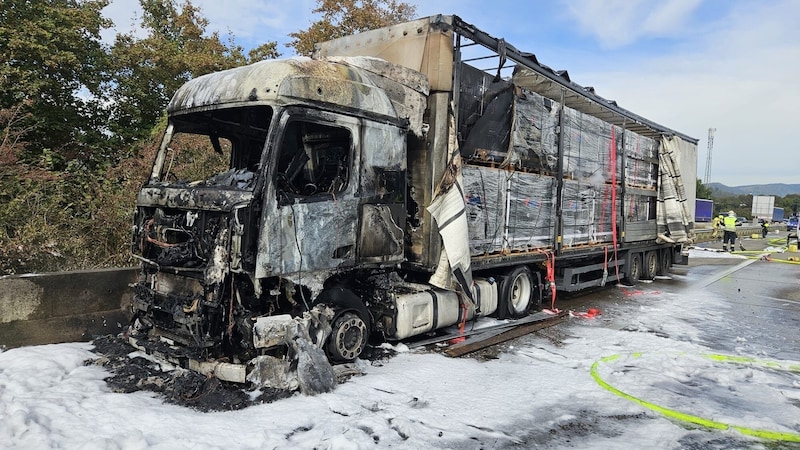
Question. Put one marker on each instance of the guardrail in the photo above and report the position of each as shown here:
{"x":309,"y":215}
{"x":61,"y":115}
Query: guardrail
{"x":64,"y":306}
{"x":704,"y":234}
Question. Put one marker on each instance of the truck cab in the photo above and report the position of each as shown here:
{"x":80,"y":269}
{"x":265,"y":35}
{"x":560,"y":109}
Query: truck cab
{"x":260,"y":193}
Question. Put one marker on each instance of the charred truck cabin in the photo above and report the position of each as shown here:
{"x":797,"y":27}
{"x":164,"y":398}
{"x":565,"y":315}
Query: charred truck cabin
{"x":387,"y":187}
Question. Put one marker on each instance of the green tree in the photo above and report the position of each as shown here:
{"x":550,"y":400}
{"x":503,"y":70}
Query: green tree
{"x":52,"y":88}
{"x":789,"y":203}
{"x":148,"y":71}
{"x":703,"y":191}
{"x":263,"y":51}
{"x":345,"y":17}
{"x":54,"y":66}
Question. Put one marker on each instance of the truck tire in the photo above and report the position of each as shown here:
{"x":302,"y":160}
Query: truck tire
{"x":633,"y":271}
{"x":348,"y":338}
{"x":516,"y":291}
{"x":665,"y":262}
{"x":650,"y":265}
{"x":350,"y":327}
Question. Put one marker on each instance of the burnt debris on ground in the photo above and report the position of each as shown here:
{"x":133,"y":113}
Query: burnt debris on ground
{"x":131,"y":372}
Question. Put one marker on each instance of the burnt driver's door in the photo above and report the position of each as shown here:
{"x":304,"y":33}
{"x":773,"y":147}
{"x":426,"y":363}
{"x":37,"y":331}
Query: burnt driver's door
{"x":311,"y":204}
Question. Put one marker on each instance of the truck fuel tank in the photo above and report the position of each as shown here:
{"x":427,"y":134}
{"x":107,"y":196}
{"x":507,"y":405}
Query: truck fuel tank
{"x":422,"y":308}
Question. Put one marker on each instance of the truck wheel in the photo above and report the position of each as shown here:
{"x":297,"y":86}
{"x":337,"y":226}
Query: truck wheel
{"x":516,"y":290}
{"x":666,"y":262}
{"x":634,"y":270}
{"x":348,"y":338}
{"x":350,"y":327}
{"x":650,"y":265}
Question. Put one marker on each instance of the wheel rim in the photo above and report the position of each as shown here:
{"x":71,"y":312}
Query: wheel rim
{"x":666,"y":262}
{"x":635,"y":268}
{"x":520,"y":293}
{"x":652,"y":264}
{"x":349,"y":337}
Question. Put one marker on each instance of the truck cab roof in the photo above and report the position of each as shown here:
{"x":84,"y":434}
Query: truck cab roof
{"x":290,"y":81}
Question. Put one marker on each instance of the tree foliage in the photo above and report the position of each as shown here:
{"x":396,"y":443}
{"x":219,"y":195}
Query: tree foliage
{"x":345,"y":17}
{"x":263,"y":52}
{"x":55,"y":67}
{"x":702,"y":191}
{"x":148,"y":71}
{"x":76,"y":119}
{"x":789,"y":203}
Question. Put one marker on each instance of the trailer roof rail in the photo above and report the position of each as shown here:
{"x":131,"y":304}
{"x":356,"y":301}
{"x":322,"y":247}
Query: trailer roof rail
{"x":580,"y":98}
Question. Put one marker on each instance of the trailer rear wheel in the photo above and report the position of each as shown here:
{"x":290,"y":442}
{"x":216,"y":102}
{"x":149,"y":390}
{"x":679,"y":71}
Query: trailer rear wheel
{"x":650,"y":265}
{"x":634,"y":270}
{"x":516,"y":290}
{"x":666,"y":262}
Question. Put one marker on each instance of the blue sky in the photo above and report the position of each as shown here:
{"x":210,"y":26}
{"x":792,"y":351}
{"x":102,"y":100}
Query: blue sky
{"x":688,"y":64}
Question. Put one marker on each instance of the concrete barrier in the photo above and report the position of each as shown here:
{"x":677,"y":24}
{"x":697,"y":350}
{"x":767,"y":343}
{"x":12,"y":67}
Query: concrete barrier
{"x":65,"y":306}
{"x":78,"y":306}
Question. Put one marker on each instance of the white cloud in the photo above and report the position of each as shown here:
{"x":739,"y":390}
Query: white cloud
{"x":250,"y":22}
{"x":616,"y":23}
{"x":266,"y":20}
{"x":739,"y":77}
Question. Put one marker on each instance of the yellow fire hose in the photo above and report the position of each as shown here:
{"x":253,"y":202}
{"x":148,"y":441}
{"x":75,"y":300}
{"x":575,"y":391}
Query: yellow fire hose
{"x":697,"y":420}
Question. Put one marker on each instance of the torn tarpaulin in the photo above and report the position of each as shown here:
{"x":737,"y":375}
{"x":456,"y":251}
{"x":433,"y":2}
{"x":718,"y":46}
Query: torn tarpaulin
{"x":448,"y":208}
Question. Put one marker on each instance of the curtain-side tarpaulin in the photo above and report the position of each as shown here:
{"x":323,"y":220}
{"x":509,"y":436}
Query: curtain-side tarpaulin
{"x":673,"y":213}
{"x":448,"y":209}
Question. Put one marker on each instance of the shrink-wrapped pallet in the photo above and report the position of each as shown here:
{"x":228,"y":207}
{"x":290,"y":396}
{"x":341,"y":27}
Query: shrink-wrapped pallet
{"x":641,"y":168}
{"x":587,"y":211}
{"x":587,"y":147}
{"x":533,"y":134}
{"x":531,"y":214}
{"x":508,"y":210}
{"x":485,"y":198}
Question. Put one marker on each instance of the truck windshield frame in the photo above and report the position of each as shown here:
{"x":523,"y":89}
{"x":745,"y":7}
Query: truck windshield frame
{"x":221,"y":148}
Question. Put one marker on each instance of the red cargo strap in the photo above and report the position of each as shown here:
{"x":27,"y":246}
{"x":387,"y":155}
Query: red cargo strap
{"x":590,"y":314}
{"x":613,"y":163}
{"x":550,"y":277}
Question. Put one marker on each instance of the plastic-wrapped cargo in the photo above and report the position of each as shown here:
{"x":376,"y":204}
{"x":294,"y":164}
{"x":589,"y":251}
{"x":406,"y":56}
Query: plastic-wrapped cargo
{"x":485,"y":110}
{"x":587,"y":211}
{"x":533,"y":133}
{"x":531,"y":214}
{"x":639,"y":208}
{"x":485,"y":198}
{"x":641,"y":169}
{"x":529,"y":199}
{"x":587,"y":146}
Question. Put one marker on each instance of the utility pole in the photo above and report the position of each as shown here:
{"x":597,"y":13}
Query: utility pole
{"x":707,"y":178}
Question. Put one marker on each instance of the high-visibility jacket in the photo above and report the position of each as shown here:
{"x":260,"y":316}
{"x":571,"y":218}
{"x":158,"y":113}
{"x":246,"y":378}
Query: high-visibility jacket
{"x":715,"y":222}
{"x":729,"y":222}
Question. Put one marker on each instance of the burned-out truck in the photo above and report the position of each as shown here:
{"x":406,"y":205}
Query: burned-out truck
{"x":400,"y":181}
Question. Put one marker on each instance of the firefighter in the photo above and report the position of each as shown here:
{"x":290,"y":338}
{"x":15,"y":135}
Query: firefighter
{"x":729,"y":229}
{"x":715,"y":224}
{"x":764,"y":228}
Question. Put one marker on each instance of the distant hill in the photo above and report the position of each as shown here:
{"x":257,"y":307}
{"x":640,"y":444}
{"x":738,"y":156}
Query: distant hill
{"x":776,"y":189}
